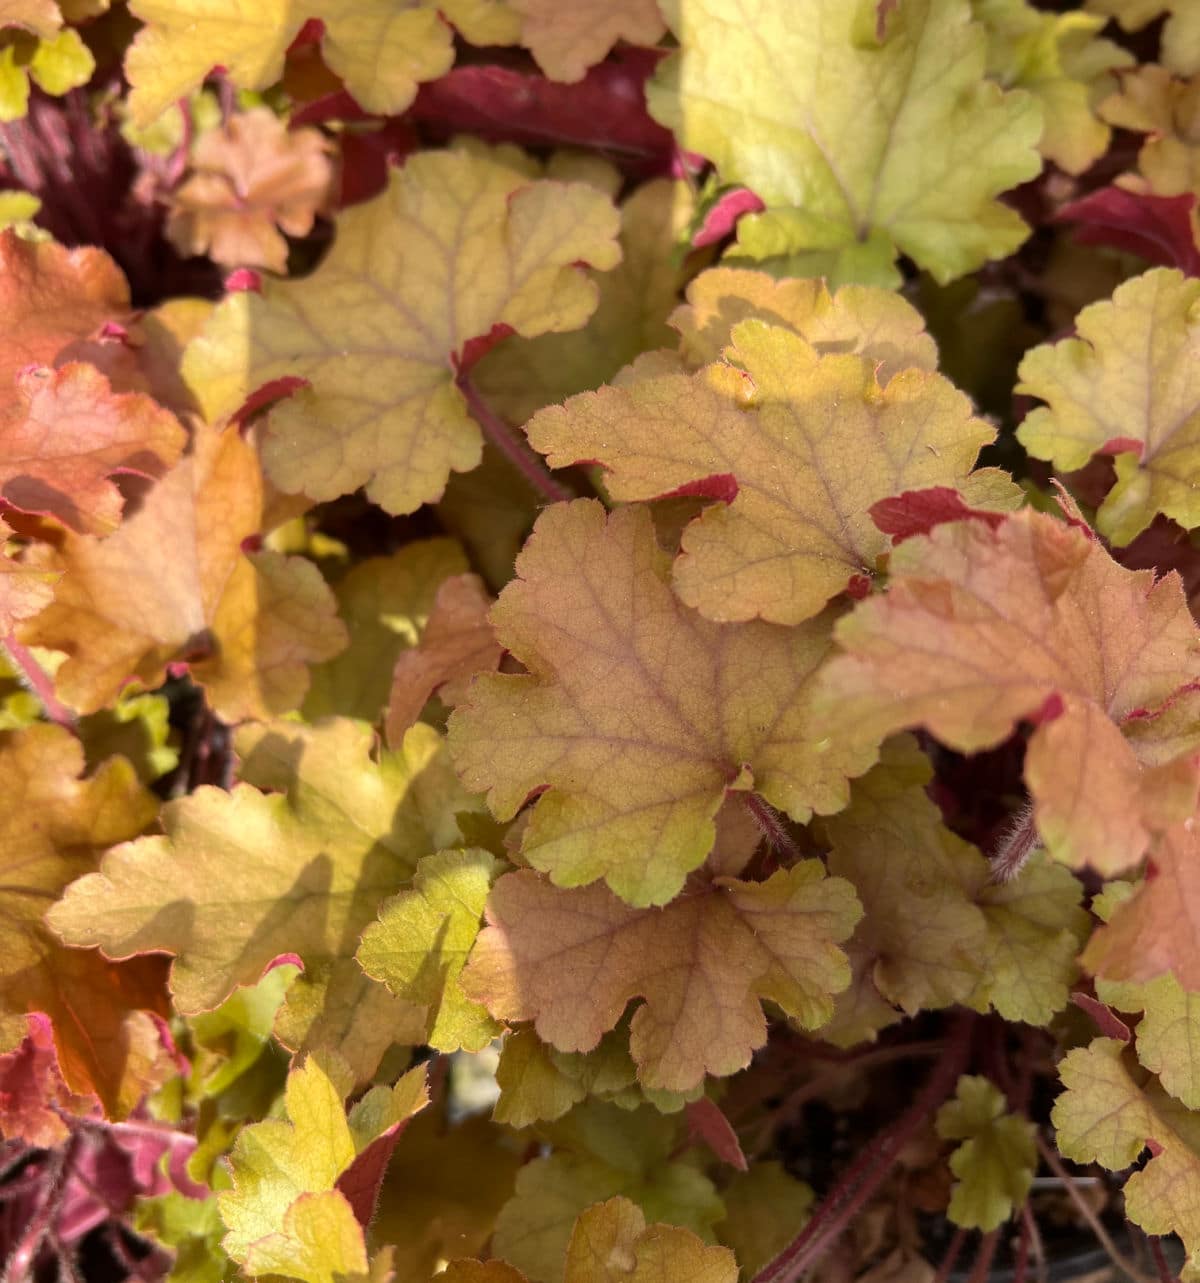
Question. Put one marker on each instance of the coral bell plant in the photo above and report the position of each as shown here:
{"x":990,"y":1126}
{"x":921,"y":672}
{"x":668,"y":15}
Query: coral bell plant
{"x":599,"y":666}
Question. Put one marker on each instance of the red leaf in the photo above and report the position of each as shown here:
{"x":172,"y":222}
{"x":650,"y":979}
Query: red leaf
{"x":722,"y":218}
{"x":707,"y":1123}
{"x":917,"y":512}
{"x":1157,"y":228}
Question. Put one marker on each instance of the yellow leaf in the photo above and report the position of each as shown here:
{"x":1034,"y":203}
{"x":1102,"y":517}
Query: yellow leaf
{"x":1126,"y":385}
{"x":311,"y":862}
{"x":799,"y":444}
{"x":462,"y":242}
{"x":381,"y":48}
{"x":860,"y":149}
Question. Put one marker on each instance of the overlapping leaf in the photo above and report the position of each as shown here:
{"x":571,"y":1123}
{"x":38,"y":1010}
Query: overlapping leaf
{"x":637,"y":713}
{"x":636,"y":298}
{"x":800,"y":444}
{"x":303,"y":1189}
{"x":385,"y":603}
{"x":571,"y":960}
{"x":567,"y":39}
{"x":1061,"y":61}
{"x":55,"y":828}
{"x":1158,"y":929}
{"x":982,"y":627}
{"x":463,"y":243}
{"x":936,"y":931}
{"x":600,"y":1152}
{"x":860,"y":148}
{"x":382,"y":48}
{"x":174,"y":585}
{"x":1111,"y":1109}
{"x":252,"y":180}
{"x":308,"y":864}
{"x":1126,"y":385}
{"x":1180,"y":34}
{"x":24,"y":590}
{"x":65,"y":434}
{"x":1152,"y":102}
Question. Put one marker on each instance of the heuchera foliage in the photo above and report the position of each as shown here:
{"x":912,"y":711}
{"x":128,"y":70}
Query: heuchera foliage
{"x":599,"y":666}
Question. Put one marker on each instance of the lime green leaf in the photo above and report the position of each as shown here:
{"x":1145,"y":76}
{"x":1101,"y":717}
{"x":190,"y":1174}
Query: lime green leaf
{"x":309,"y":866}
{"x":1107,"y":1114}
{"x":421,"y":941}
{"x":996,"y":1160}
{"x":860,"y":149}
{"x":1127,"y":385}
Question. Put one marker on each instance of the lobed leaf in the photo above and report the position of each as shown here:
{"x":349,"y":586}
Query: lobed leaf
{"x":1126,"y":386}
{"x":799,"y":445}
{"x":861,"y":148}
{"x":568,"y":39}
{"x":636,"y":712}
{"x":308,"y":866}
{"x":463,"y":245}
{"x":982,"y":627}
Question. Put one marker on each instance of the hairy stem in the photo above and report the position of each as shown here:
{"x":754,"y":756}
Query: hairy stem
{"x":864,"y":1176}
{"x":1016,"y":846}
{"x":39,"y":682}
{"x":773,"y":828}
{"x":1118,"y":1258}
{"x":513,"y":447}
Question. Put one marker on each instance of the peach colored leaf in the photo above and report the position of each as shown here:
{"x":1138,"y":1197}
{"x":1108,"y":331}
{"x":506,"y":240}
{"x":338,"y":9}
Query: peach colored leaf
{"x":59,"y":305}
{"x":66,"y":433}
{"x":1108,"y":1114}
{"x":1157,"y":930}
{"x":252,"y":180}
{"x":382,"y":49}
{"x":636,"y":712}
{"x":39,"y":16}
{"x":1180,"y":34}
{"x":24,"y":590}
{"x":799,"y":445}
{"x":54,"y":829}
{"x":463,"y":243}
{"x":457,"y":643}
{"x":571,"y":961}
{"x":385,"y":603}
{"x":567,"y":39}
{"x":310,"y":862}
{"x":173,"y":585}
{"x":982,"y":627}
{"x":1126,"y":385}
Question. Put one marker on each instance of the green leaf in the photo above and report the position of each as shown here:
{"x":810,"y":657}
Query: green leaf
{"x":996,"y":1160}
{"x":861,"y":149}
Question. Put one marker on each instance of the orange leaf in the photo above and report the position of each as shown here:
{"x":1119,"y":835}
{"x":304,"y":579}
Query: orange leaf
{"x":67,"y":433}
{"x":1158,"y":928}
{"x":53,"y":830}
{"x":981,"y":628}
{"x":173,"y":585}
{"x":457,"y":643}
{"x":572,"y":960}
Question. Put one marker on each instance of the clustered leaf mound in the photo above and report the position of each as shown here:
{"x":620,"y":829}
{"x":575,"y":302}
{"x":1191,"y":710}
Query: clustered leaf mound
{"x":599,"y":665}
